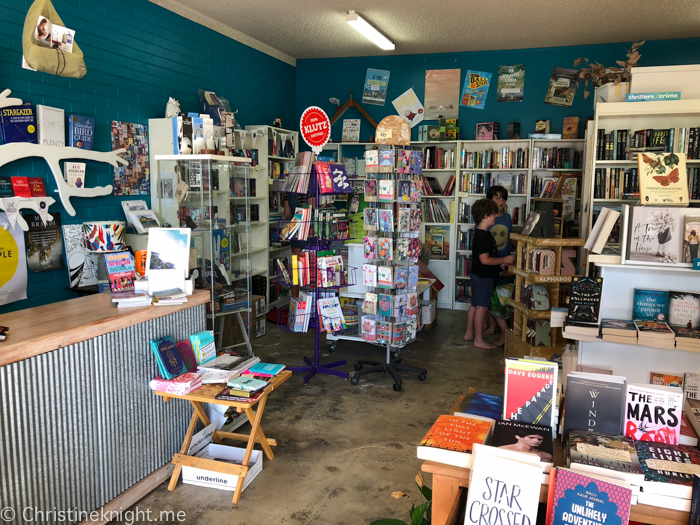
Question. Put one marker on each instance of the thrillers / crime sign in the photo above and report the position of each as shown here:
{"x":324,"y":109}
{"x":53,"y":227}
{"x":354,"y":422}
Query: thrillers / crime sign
{"x":315,"y":128}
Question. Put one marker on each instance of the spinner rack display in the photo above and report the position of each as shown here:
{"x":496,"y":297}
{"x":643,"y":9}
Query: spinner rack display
{"x":396,"y":246}
{"x":315,"y":244}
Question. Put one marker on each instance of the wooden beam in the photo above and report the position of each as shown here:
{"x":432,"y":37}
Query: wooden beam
{"x":352,"y":104}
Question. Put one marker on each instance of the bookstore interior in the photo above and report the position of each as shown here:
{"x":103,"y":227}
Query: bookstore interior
{"x":195,"y":238}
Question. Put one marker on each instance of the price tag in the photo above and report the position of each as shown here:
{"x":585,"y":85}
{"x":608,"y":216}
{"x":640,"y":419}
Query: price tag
{"x":383,"y":133}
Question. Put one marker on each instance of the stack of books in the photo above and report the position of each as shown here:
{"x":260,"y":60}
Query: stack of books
{"x":242,"y":389}
{"x":655,"y":333}
{"x":168,"y":357}
{"x":225,"y":367}
{"x":583,"y":320}
{"x":263,"y":371}
{"x":558,"y":317}
{"x":174,"y":296}
{"x":131,"y":299}
{"x":619,"y":331}
{"x":178,"y":386}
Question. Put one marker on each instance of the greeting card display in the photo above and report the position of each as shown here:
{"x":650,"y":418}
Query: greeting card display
{"x":383,"y":332}
{"x":404,"y":222}
{"x":386,"y":220}
{"x":401,"y":278}
{"x":385,"y":277}
{"x":385,"y":248}
{"x":369,"y":330}
{"x":369,"y":271}
{"x":370,"y":219}
{"x":370,"y":304}
{"x":370,"y":247}
{"x":371,"y":190}
{"x":386,"y":190}
{"x":413,"y":276}
{"x":404,"y":191}
{"x":385,"y":305}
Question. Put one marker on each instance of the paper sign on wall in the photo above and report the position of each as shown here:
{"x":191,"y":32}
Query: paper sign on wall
{"x":442,"y":93}
{"x":376,"y":87}
{"x":409,"y":107}
{"x":475,"y":90}
{"x":511,"y":83}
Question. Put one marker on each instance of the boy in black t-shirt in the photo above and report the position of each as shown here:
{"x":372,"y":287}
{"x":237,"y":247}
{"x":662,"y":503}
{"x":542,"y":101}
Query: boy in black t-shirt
{"x":486,"y":265}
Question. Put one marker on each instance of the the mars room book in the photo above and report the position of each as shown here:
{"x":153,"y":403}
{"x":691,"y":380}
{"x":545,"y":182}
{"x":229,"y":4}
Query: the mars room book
{"x":451,"y":440}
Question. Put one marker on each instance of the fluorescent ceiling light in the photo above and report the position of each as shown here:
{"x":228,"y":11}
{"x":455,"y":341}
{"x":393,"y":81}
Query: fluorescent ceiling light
{"x":368,"y":31}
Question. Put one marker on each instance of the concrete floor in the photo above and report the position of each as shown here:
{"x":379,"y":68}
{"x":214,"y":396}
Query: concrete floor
{"x":343,"y":449}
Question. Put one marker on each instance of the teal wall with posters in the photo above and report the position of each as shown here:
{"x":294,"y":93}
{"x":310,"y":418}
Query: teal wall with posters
{"x":319,"y":80}
{"x":137,"y":55}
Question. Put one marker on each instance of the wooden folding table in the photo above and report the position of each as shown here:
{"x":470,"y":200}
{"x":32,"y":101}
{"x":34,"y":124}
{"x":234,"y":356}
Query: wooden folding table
{"x":207,"y":394}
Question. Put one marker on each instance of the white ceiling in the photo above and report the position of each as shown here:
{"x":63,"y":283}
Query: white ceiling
{"x":298,"y":29}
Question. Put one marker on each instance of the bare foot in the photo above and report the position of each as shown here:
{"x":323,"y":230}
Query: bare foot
{"x":490,"y":330}
{"x":468,"y":337}
{"x":483,"y":344}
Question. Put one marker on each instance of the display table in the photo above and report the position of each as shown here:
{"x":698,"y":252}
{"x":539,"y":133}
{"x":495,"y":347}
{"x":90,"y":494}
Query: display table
{"x":449,"y":482}
{"x":207,"y":394}
{"x":76,"y":405}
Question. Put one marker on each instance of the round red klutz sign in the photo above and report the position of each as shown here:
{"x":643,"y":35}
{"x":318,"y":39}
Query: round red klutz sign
{"x":315,"y":127}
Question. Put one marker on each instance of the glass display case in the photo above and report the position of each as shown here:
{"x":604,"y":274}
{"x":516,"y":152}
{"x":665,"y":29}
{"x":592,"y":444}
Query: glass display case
{"x":217,"y":209}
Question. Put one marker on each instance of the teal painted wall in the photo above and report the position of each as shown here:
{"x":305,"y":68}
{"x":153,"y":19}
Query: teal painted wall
{"x":137,"y":54}
{"x":319,"y":80}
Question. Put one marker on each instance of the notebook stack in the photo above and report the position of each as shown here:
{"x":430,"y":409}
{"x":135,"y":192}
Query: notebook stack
{"x":178,"y":386}
{"x":655,"y":333}
{"x":619,"y":331}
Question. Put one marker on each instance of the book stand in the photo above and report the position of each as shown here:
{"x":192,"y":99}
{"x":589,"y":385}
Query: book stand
{"x":207,"y":394}
{"x":516,"y":341}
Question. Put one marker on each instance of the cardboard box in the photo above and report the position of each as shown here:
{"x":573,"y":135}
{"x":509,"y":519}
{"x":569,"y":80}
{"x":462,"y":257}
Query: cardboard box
{"x":203,"y":447}
{"x":258,"y":305}
{"x":685,"y":79}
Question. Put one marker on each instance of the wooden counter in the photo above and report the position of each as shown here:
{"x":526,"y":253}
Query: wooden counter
{"x":35,"y":331}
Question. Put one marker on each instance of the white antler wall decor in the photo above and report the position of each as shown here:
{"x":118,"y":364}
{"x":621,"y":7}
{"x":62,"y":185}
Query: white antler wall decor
{"x":53,"y":155}
{"x":29,"y":203}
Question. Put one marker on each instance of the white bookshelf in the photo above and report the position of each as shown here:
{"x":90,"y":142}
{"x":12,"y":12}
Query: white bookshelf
{"x":269,"y":219}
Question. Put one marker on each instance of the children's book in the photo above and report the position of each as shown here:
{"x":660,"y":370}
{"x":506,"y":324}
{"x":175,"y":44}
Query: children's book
{"x":401,"y":278}
{"x":385,"y":305}
{"x":371,"y":161}
{"x":400,"y":305}
{"x":387,"y":161}
{"x":404,"y":191}
{"x":369,"y":271}
{"x":370,"y":304}
{"x":386,"y":220}
{"x":370,"y":247}
{"x":120,"y":267}
{"x":383,"y":332}
{"x":323,"y":174}
{"x":404,"y":222}
{"x":413,"y":276}
{"x":386,"y":190}
{"x":385,"y":277}
{"x":385,"y":248}
{"x":331,"y":314}
{"x":369,"y":330}
{"x":370,"y":219}
{"x":371,"y":190}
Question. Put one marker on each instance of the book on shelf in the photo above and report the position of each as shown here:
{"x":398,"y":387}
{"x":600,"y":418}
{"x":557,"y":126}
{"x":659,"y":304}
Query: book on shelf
{"x":649,"y":304}
{"x":512,"y":473}
{"x":602,"y":228}
{"x":481,"y":404}
{"x":51,"y":128}
{"x":653,"y":413}
{"x":584,"y":300}
{"x":168,"y":357}
{"x":668,"y":469}
{"x":619,"y":328}
{"x":655,"y":333}
{"x":81,"y":131}
{"x":525,"y":438}
{"x":120,"y":267}
{"x":451,"y":440}
{"x":688,"y":434}
{"x":530,"y":390}
{"x":595,"y":402}
{"x":580,"y":498}
{"x":18,"y":124}
{"x":603,"y":454}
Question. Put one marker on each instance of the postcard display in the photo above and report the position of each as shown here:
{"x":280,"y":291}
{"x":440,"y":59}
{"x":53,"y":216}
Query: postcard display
{"x":392,"y":223}
{"x":319,"y":287}
{"x":217,"y":209}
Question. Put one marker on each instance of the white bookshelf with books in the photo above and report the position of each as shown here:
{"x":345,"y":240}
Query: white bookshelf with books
{"x":277,"y":150}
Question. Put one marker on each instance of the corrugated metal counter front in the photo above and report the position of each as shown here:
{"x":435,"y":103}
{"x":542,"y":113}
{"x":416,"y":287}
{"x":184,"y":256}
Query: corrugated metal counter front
{"x":78,"y":423}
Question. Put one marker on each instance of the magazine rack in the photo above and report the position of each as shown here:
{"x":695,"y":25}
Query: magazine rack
{"x":316,"y":244}
{"x":516,"y":340}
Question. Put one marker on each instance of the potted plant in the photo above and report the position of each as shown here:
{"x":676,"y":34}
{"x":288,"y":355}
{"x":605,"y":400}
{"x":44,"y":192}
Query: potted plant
{"x":612,"y":77}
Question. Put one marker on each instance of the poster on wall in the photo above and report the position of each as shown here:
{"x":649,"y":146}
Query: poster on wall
{"x":437,"y":238}
{"x":409,"y":107}
{"x":44,"y":243}
{"x":442,"y":93}
{"x":376,"y":86}
{"x":511,"y":83}
{"x":82,"y":265}
{"x":562,"y":87}
{"x":132,"y":179}
{"x":475,"y":90}
{"x":13,"y":270}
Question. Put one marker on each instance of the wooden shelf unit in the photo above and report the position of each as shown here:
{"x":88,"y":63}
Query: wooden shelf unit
{"x":516,"y":341}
